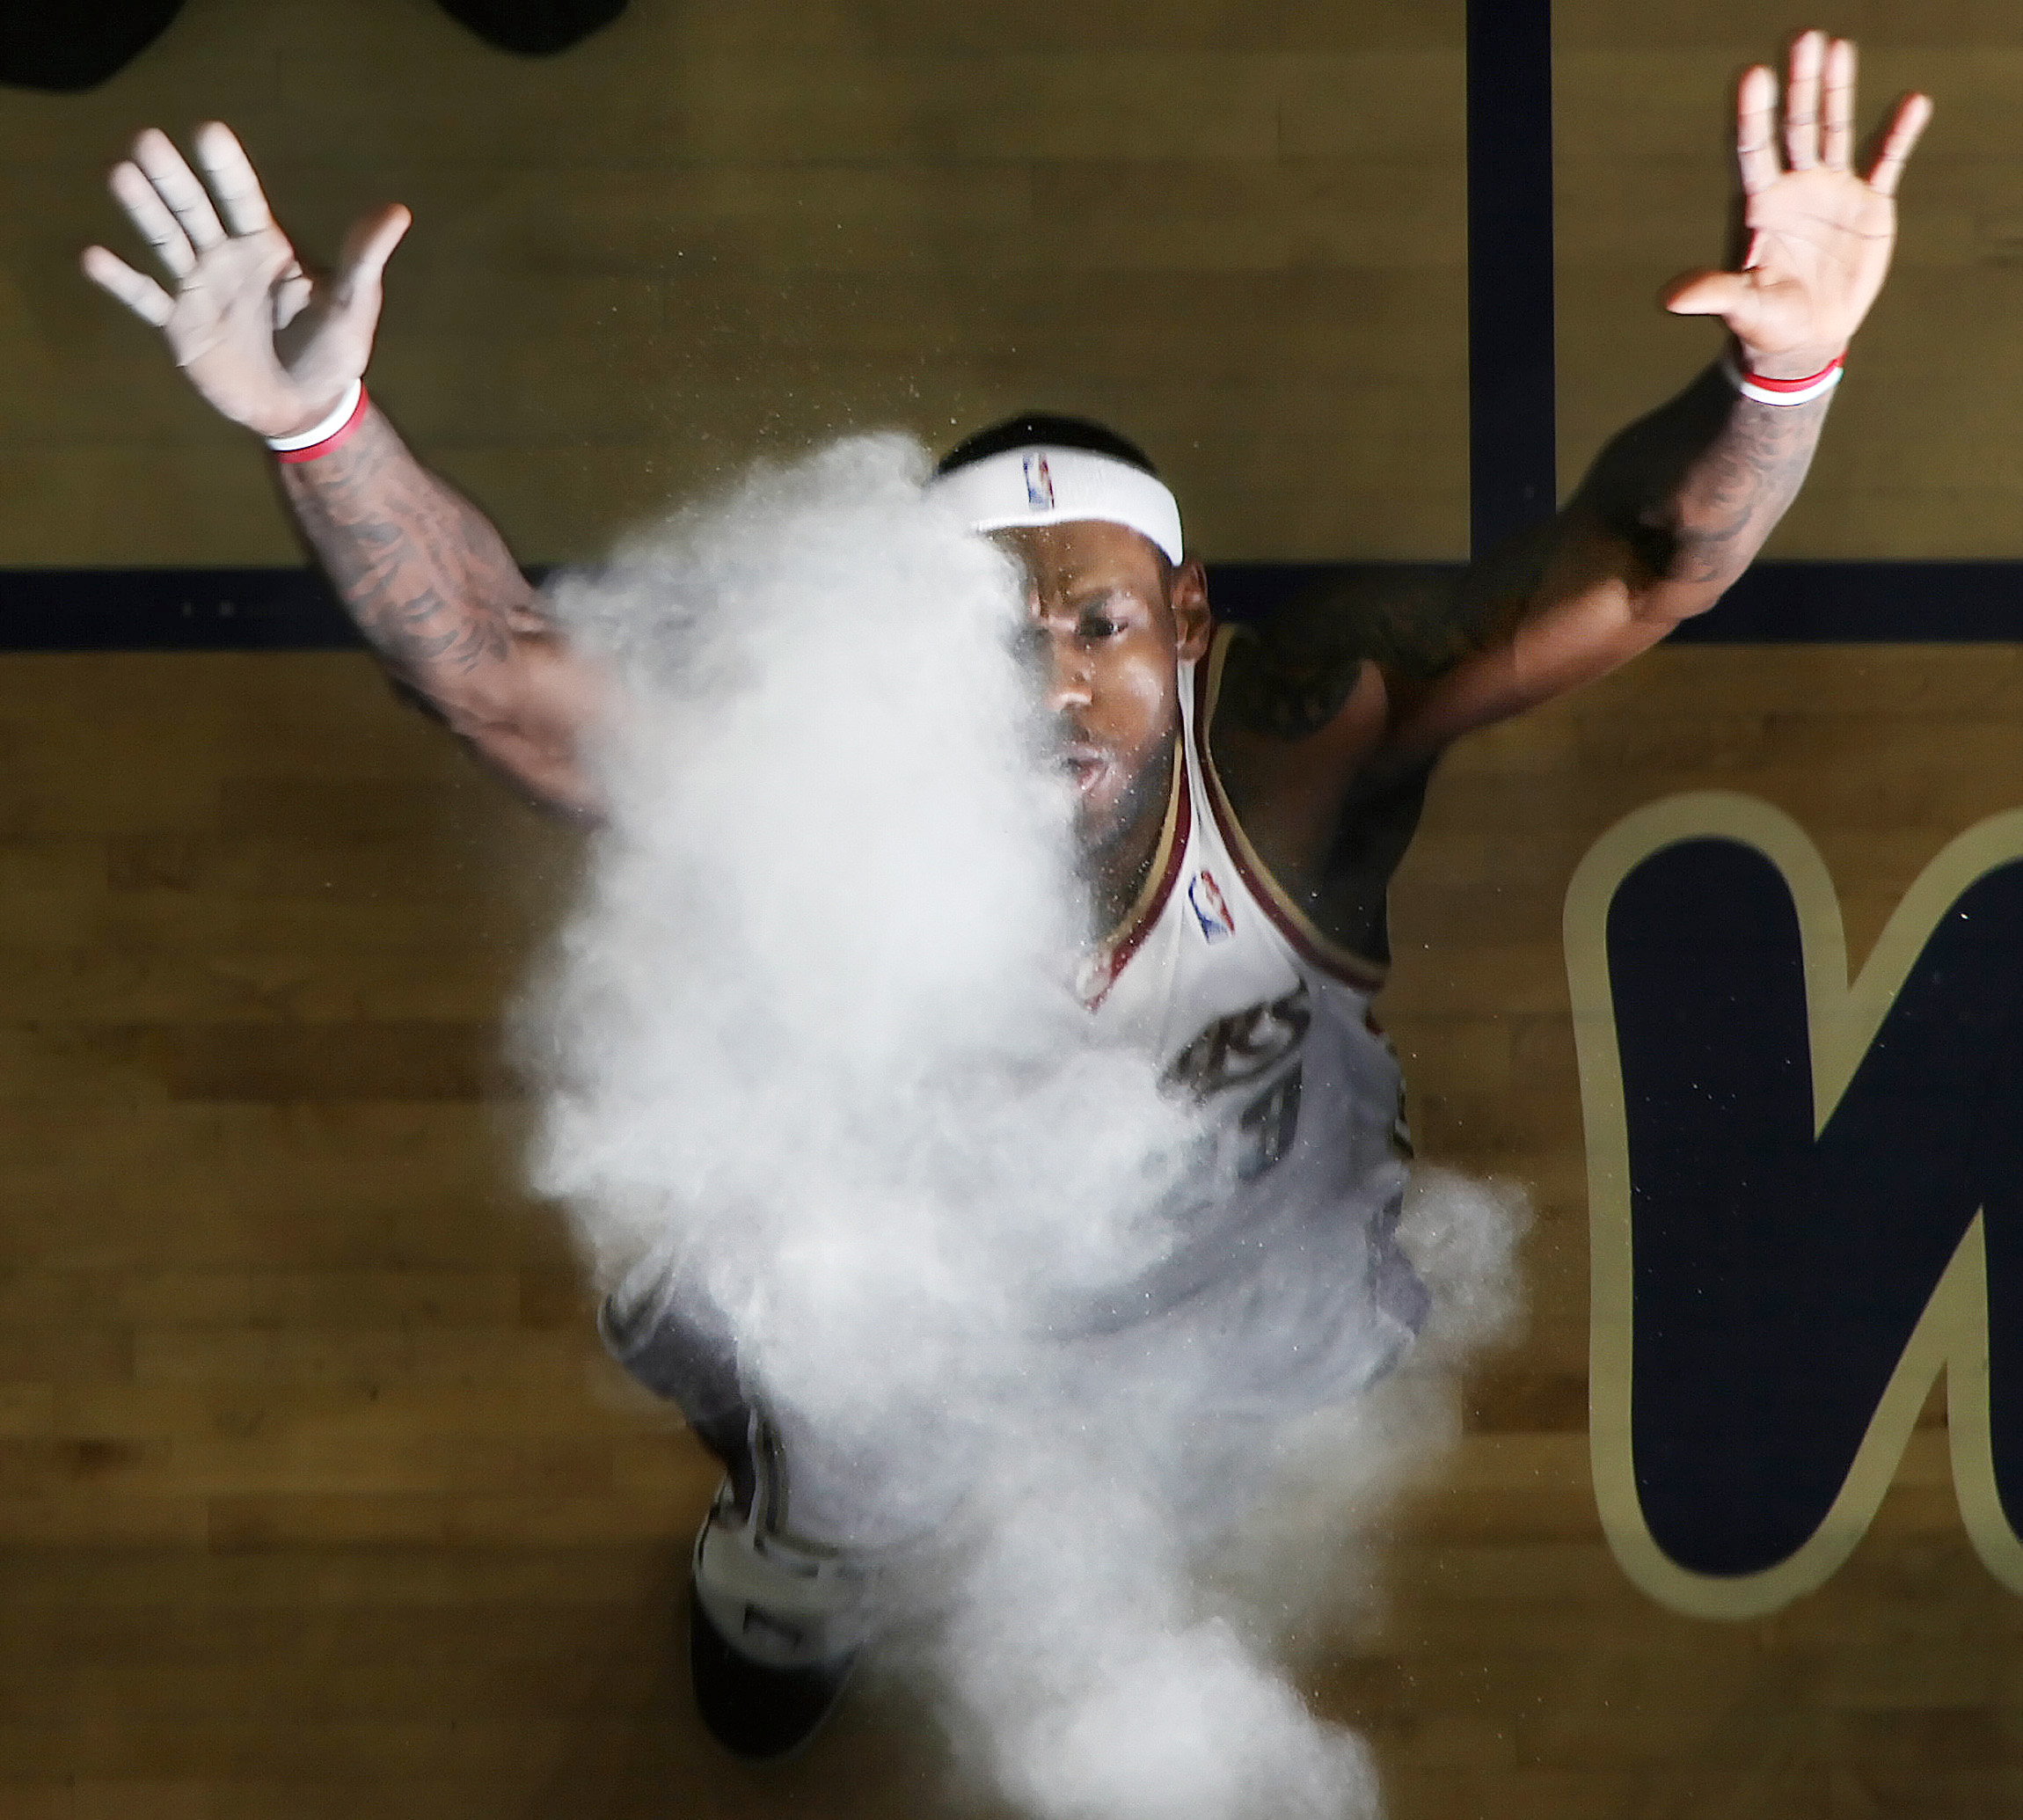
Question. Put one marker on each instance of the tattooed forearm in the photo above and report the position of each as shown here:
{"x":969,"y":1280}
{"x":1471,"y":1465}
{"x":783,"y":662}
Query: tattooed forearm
{"x":1696,"y":487}
{"x":430,"y":581}
{"x":437,"y":593}
{"x":1672,"y":512}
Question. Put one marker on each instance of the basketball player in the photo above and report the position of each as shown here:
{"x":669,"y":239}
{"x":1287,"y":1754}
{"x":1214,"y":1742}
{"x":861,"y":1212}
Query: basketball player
{"x":1242,"y":797}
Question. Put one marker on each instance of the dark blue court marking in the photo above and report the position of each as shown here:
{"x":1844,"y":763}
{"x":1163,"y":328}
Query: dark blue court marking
{"x":1774,"y":603}
{"x":1512,"y":452}
{"x":290,"y":609}
{"x":1866,"y":602}
{"x":169,"y":610}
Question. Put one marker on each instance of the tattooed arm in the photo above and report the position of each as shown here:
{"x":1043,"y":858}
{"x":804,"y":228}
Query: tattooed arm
{"x":427,"y":579}
{"x":1673,"y":511}
{"x":1675,"y":507}
{"x":1330,"y":719}
{"x":1361,"y":681}
{"x":436,"y":591}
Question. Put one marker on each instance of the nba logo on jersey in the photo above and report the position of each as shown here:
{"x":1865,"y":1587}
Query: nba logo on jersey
{"x":1211,"y":911}
{"x":1038,"y":484}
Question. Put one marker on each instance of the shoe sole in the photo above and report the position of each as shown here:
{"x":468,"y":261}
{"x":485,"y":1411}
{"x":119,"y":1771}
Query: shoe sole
{"x":760,"y":1714}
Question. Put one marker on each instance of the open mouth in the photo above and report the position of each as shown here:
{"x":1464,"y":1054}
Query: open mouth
{"x":1085,"y":766}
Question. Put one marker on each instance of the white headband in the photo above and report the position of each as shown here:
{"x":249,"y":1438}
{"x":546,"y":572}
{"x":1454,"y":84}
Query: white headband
{"x":1047,"y":485}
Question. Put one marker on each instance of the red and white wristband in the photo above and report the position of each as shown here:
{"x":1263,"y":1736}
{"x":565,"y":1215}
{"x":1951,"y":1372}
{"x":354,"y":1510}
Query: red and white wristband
{"x":332,"y":433}
{"x":1784,"y":391}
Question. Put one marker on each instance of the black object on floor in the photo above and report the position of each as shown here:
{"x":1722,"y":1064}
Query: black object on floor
{"x":534,"y":28}
{"x":751,"y":1710}
{"x":67,"y":45}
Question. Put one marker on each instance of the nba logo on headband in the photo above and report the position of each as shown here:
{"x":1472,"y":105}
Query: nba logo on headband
{"x":1021,"y":489}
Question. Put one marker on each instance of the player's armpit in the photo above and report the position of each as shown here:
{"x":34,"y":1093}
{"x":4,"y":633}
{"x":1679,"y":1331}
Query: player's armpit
{"x":1299,"y":669}
{"x":1307,"y":697}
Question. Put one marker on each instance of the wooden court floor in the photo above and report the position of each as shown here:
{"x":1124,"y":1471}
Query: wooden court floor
{"x":316,"y":1498}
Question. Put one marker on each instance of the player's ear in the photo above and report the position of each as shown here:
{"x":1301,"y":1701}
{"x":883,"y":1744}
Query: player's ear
{"x":1192,"y":621}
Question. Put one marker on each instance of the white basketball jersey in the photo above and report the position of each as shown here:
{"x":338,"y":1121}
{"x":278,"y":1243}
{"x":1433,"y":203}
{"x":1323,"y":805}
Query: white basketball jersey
{"x":1218,"y":973}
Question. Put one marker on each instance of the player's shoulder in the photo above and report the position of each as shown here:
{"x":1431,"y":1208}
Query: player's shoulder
{"x":1324,"y":812}
{"x":1291,"y":672}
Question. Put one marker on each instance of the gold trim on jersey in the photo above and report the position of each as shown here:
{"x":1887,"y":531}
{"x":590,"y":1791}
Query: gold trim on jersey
{"x":1298,"y":927}
{"x":1115,"y":950}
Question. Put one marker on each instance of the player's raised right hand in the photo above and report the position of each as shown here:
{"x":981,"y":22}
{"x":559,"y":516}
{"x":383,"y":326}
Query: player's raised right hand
{"x":271,"y":345}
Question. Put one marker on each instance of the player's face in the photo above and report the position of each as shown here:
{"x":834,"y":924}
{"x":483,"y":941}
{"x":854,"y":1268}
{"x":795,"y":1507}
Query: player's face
{"x":1110,"y":617}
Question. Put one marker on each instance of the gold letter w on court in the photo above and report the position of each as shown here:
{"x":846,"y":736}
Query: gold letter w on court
{"x":1806,"y":1196}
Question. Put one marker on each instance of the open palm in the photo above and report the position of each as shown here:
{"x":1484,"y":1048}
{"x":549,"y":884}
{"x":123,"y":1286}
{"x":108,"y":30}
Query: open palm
{"x":1820,"y":232}
{"x":269,"y":344}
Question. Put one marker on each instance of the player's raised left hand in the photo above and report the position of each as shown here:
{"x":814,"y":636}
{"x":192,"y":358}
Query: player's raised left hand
{"x":1820,"y":232}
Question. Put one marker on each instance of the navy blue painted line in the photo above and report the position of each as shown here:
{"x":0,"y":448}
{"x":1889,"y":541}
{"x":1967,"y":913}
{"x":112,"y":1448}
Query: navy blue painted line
{"x":1512,"y":450}
{"x":293,"y":610}
{"x":1774,"y":603}
{"x":169,"y":610}
{"x":1866,"y":602}
{"x":290,"y":609}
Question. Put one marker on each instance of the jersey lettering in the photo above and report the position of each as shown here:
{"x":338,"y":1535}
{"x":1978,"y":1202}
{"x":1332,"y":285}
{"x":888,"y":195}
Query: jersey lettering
{"x":1242,"y":1046}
